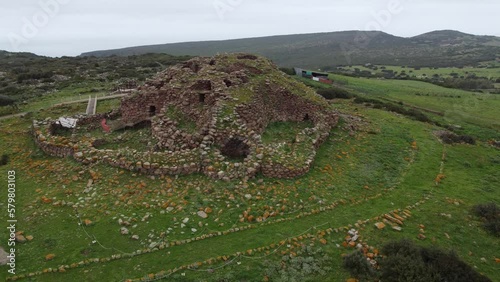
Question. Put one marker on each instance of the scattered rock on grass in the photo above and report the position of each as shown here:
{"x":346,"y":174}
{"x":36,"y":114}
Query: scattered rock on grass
{"x":202,"y":214}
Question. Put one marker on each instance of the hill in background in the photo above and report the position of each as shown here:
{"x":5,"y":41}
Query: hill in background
{"x":318,"y":50}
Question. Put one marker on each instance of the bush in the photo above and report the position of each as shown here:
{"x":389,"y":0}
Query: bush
{"x":451,"y":138}
{"x":4,"y":160}
{"x":289,"y":71}
{"x":397,"y":108}
{"x":334,"y":92}
{"x":361,"y":100}
{"x":490,"y":214}
{"x":406,"y":261}
{"x":357,"y":265}
{"x":418,"y":115}
{"x":308,"y":263}
{"x":6,"y":101}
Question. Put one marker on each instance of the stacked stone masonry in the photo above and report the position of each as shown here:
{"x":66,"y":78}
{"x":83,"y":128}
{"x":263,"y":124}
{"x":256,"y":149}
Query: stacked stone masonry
{"x":207,"y":116}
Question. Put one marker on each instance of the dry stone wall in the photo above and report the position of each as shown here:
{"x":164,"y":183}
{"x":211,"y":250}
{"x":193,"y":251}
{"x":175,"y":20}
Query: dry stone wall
{"x":207,"y":115}
{"x":49,"y":144}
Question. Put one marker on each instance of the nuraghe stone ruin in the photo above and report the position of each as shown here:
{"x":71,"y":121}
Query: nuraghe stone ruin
{"x":207,"y":116}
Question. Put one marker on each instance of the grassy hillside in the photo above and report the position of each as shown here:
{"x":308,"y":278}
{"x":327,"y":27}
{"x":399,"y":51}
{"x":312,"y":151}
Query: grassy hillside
{"x":387,"y":163}
{"x":489,"y":70}
{"x":36,"y":82}
{"x":469,"y":111}
{"x":321,"y":50}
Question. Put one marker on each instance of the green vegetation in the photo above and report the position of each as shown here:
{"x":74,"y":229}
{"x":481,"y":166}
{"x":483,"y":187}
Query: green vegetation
{"x":327,"y":50}
{"x":406,"y":261}
{"x":379,"y":157}
{"x":284,"y":131}
{"x":488,"y":70}
{"x":376,"y":161}
{"x":183,"y":122}
{"x":468,"y":112}
{"x":490,"y":214}
{"x":36,"y":82}
{"x":471,"y":78}
{"x":6,"y":101}
{"x":358,"y":266}
{"x":334,"y":93}
{"x":307,"y":264}
{"x":4,"y":160}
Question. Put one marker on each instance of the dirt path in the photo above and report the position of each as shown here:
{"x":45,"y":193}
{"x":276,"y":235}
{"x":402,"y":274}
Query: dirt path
{"x":92,"y":105}
{"x":11,"y":116}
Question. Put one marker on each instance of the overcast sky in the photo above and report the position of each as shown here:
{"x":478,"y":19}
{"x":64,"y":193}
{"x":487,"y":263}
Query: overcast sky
{"x":70,"y":27}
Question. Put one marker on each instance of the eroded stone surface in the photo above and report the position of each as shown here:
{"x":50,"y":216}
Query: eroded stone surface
{"x":206,"y":112}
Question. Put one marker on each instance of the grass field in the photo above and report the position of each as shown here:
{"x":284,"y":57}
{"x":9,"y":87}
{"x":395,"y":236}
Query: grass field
{"x":429,"y":72}
{"x":476,"y":112}
{"x":391,"y":163}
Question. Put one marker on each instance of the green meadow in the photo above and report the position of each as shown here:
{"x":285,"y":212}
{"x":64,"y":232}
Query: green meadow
{"x":388,"y":163}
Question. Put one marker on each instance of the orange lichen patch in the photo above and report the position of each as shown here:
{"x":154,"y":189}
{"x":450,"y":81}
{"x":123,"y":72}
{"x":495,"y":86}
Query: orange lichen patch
{"x":392,"y":219}
{"x":94,"y":175}
{"x":50,"y":257}
{"x":87,"y":222}
{"x":414,"y":145}
{"x":394,"y":214}
{"x":46,"y":200}
{"x":323,"y":241}
{"x":439,"y":178}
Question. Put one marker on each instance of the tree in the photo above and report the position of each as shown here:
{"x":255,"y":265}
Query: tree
{"x":6,"y":101}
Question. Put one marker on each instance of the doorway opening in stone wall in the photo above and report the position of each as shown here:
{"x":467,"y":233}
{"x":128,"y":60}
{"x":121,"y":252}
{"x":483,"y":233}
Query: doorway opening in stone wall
{"x":235,"y":148}
{"x":152,"y":111}
{"x":201,"y":98}
{"x":306,"y":118}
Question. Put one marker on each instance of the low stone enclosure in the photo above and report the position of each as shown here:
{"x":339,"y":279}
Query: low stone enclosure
{"x":207,"y":116}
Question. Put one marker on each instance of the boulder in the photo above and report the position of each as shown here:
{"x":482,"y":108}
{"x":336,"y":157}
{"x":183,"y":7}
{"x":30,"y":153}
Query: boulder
{"x":202,"y":214}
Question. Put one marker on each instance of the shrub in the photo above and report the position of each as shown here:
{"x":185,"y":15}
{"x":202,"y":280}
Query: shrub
{"x":6,"y":101}
{"x":418,"y":115}
{"x":308,"y":263}
{"x":450,"y":138}
{"x":289,"y":71}
{"x":334,"y":92}
{"x":490,"y":213}
{"x":357,"y":265}
{"x":4,"y":160}
{"x":397,"y":108}
{"x":406,"y":261}
{"x":361,"y":100}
